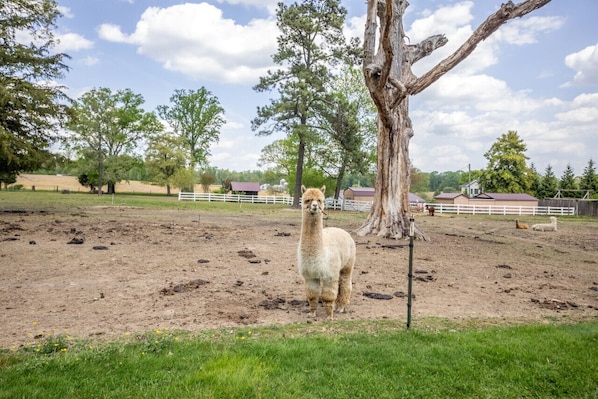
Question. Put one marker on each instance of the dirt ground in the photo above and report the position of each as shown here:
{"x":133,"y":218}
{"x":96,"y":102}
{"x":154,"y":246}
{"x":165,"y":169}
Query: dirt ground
{"x":109,"y":271}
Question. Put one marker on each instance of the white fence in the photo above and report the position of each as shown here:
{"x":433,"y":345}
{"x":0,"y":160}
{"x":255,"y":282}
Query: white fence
{"x":235,"y":198}
{"x":366,"y":206}
{"x":502,"y":210}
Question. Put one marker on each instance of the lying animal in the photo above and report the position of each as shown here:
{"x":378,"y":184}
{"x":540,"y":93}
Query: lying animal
{"x":520,"y":225}
{"x":546,"y":226}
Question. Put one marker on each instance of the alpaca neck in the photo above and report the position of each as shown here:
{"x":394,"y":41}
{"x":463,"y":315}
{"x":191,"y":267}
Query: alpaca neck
{"x":311,"y":229}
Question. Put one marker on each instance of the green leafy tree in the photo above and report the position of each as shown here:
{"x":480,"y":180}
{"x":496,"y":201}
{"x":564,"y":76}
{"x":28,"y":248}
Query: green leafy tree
{"x":164,"y":157}
{"x":206,"y":180}
{"x":310,"y":42}
{"x":589,"y":179}
{"x":184,"y":179}
{"x":420,"y":181}
{"x":349,"y":126}
{"x":32,"y":108}
{"x":506,"y":171}
{"x":280,"y":157}
{"x":568,"y":183}
{"x":549,"y":184}
{"x":108,"y":127}
{"x":196,"y":116}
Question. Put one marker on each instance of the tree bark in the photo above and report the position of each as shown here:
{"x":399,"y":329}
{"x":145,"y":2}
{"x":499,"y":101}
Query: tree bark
{"x":390,"y":81}
{"x":299,"y":173}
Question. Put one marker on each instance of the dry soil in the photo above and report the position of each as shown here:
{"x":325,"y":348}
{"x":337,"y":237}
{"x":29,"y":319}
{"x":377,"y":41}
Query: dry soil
{"x":109,"y":271}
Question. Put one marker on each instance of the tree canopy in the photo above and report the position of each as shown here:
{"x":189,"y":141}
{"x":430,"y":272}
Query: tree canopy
{"x":107,"y":127}
{"x":507,"y":171}
{"x":311,"y":41}
{"x":196,"y":116}
{"x":32,"y":106}
{"x":589,"y":179}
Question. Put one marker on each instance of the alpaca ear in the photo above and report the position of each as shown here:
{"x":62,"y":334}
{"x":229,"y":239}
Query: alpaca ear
{"x":303,"y":189}
{"x":323,"y":189}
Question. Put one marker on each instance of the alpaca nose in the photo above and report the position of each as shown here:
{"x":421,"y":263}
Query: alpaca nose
{"x":314,"y":206}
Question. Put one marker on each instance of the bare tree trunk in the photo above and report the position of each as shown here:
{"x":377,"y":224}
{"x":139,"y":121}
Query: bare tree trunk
{"x":390,"y":81}
{"x":299,"y":174}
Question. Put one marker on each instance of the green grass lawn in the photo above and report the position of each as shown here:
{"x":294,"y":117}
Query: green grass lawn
{"x":314,"y":361}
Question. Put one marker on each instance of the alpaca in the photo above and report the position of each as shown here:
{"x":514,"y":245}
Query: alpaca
{"x":546,"y":226}
{"x":430,"y":210}
{"x":520,"y":225}
{"x":326,"y":256}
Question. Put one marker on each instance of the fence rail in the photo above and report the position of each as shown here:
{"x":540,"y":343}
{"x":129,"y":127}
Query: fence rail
{"x":183,"y":196}
{"x":503,"y":210}
{"x":366,"y":206}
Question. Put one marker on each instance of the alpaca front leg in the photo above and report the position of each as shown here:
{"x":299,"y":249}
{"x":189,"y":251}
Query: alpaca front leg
{"x":312,"y":292}
{"x":329,"y":293}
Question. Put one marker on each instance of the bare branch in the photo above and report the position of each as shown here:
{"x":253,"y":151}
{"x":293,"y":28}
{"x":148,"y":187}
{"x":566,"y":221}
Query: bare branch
{"x":425,"y":48}
{"x":506,"y":12}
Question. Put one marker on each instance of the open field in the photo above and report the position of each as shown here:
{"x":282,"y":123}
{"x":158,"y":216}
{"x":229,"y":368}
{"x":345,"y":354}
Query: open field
{"x":59,"y":183}
{"x":203,"y":266}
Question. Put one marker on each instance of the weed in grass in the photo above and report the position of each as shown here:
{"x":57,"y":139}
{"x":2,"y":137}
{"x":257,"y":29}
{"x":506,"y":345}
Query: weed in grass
{"x":158,"y":341}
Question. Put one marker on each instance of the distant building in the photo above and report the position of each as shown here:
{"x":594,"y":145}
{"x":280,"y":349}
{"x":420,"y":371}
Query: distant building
{"x":247,"y":188}
{"x":507,"y":199}
{"x":452,"y":198}
{"x":493,"y":199}
{"x":471,"y":188}
{"x":367,"y":194}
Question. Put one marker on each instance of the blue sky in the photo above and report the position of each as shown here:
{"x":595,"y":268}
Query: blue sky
{"x":537,"y":75}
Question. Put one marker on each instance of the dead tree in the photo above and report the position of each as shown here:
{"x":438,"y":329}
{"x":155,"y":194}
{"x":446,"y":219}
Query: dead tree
{"x":390,"y":80}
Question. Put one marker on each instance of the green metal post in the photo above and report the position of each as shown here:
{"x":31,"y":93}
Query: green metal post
{"x":410,"y":275}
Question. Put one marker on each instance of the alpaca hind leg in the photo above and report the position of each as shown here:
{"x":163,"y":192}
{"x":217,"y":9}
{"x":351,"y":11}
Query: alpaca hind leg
{"x":345,"y":287}
{"x":329,"y":294}
{"x":312,"y":292}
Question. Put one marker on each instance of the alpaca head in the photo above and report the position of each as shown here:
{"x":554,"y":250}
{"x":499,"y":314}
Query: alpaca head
{"x":553,"y":220}
{"x":312,"y":199}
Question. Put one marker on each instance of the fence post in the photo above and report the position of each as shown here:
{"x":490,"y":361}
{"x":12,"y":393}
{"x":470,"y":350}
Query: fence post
{"x":410,"y":274}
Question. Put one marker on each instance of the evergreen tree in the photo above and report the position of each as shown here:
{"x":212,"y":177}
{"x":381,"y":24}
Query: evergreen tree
{"x":536,"y":181}
{"x":589,"y":179}
{"x":310,"y":42}
{"x":549,"y":184}
{"x":568,"y":183}
{"x":32,"y":107}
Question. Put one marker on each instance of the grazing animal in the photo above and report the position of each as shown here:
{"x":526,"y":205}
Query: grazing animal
{"x":326,"y":256}
{"x":546,"y":226}
{"x":430,"y":210}
{"x":520,"y":225}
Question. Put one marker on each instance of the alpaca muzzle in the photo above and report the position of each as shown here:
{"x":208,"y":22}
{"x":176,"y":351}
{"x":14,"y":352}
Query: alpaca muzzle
{"x":315,"y":207}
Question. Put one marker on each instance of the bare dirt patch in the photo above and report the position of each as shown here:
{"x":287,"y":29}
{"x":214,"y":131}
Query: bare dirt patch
{"x":130,"y":270}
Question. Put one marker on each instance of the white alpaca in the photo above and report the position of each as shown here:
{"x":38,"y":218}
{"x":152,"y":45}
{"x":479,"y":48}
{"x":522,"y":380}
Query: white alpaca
{"x":546,"y":226}
{"x":326,"y":256}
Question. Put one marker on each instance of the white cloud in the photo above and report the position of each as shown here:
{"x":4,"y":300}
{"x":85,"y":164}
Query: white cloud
{"x":527,"y":30}
{"x":270,"y":5}
{"x":72,"y":42}
{"x":112,"y":33}
{"x":65,"y":12}
{"x":196,"y":40}
{"x":89,"y":61}
{"x":585,"y":65}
